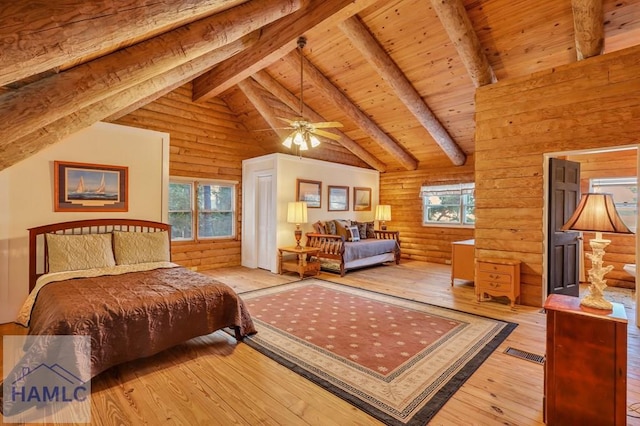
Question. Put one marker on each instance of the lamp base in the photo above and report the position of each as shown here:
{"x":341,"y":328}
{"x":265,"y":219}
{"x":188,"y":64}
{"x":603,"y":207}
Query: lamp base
{"x":383,"y":226}
{"x":595,"y":297}
{"x":298,"y":235}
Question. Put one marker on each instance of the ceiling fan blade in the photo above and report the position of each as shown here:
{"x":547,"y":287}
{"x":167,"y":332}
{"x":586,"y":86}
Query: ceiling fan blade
{"x":325,"y":124}
{"x":327,"y":135}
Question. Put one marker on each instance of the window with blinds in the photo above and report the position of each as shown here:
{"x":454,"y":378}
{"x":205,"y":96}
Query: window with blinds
{"x":450,"y":205}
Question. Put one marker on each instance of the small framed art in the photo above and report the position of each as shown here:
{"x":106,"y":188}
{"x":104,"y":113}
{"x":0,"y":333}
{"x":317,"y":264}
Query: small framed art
{"x":309,"y":191}
{"x":338,"y":198}
{"x":361,"y":199}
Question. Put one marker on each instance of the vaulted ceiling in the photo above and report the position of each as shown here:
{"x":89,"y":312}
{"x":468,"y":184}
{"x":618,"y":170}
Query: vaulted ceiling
{"x":400,"y":75}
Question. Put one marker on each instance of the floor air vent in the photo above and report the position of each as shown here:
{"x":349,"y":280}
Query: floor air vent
{"x":538,"y":359}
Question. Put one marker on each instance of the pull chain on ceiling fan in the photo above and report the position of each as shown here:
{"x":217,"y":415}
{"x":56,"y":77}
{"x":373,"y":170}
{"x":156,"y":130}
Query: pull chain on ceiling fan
{"x":304,"y":133}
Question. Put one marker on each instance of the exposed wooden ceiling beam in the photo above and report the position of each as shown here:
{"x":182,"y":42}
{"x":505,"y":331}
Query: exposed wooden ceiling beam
{"x":375,"y":54}
{"x":353,"y":112}
{"x":25,"y":110}
{"x":293,"y":102}
{"x":251,"y":92}
{"x":278,"y":39}
{"x":118,"y":104}
{"x":588,"y":22}
{"x":38,"y":36}
{"x":456,"y":23}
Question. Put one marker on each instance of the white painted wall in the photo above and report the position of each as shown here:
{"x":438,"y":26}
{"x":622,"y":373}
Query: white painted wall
{"x":26,"y":194}
{"x":286,"y":169}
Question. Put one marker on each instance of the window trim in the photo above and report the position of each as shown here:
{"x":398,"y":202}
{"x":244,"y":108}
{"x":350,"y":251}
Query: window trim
{"x":195,"y":184}
{"x":453,"y":189}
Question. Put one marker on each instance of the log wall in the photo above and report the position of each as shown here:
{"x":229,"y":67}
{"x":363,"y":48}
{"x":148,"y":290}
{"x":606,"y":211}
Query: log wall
{"x":401,"y":190}
{"x":207,"y":141}
{"x":585,"y":105}
{"x":622,"y":249}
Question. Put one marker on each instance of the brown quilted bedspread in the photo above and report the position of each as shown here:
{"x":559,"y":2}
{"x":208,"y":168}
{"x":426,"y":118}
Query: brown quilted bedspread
{"x":138,"y":314}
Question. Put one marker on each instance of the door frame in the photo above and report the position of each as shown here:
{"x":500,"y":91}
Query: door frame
{"x":545,"y":214}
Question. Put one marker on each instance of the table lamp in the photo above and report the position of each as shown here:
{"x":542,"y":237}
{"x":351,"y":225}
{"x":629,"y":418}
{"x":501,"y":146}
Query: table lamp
{"x":297,"y":213}
{"x":383,"y":213}
{"x":597,"y":213}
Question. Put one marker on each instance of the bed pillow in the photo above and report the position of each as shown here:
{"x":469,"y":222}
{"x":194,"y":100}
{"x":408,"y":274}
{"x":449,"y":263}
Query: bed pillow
{"x":353,"y":234}
{"x":141,"y":247}
{"x":78,"y":252}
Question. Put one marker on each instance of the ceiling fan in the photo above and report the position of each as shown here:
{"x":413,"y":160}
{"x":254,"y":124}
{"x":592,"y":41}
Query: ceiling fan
{"x":304,"y":132}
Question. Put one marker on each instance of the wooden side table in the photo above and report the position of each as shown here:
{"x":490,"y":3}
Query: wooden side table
{"x":585,"y":374}
{"x":462,"y":255}
{"x":498,"y":277}
{"x":300,"y":263}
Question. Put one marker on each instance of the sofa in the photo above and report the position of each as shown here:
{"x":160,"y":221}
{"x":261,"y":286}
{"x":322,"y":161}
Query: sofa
{"x":345,"y":245}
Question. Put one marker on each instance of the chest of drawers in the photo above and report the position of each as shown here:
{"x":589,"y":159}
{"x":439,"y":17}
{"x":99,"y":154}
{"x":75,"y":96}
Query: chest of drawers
{"x":497,"y":277}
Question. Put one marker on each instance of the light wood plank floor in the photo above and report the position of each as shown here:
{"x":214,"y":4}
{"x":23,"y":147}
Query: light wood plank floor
{"x":212,"y":381}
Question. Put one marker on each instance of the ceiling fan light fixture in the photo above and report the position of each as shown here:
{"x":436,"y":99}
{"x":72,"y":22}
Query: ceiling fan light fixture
{"x":288,"y":141}
{"x":314,"y":140}
{"x":303,"y":131}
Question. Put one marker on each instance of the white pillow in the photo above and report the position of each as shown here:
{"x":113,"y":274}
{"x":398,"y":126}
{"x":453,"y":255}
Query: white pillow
{"x":141,"y":247}
{"x":353,"y":234}
{"x":78,"y":252}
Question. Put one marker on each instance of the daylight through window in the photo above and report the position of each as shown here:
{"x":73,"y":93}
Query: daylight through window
{"x":450,"y":205}
{"x":625,"y":196}
{"x":201,"y":209}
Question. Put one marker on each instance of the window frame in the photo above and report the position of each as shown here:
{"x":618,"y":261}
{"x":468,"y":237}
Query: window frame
{"x":460,"y":189}
{"x":595,"y":185}
{"x":196,"y":183}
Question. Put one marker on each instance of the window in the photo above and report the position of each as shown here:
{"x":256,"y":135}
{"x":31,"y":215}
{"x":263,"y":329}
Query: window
{"x":450,"y":205}
{"x":625,"y":196}
{"x":206,"y":208}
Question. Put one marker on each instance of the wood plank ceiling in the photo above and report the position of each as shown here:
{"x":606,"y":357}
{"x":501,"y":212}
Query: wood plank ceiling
{"x":400,"y":75}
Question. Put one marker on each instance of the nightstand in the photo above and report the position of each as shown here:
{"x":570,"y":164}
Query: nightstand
{"x":498,"y":277}
{"x":299,"y":264}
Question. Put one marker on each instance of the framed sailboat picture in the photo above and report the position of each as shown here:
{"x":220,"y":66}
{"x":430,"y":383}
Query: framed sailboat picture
{"x":81,"y":187}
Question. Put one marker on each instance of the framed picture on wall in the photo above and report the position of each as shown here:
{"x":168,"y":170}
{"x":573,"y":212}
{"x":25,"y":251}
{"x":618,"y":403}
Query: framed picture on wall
{"x":82,"y":187}
{"x":361,"y":199}
{"x":309,"y":191}
{"x":338,"y":198}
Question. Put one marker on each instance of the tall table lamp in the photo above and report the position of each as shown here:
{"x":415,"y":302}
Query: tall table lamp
{"x":297,"y":213}
{"x":383,"y":213}
{"x":597,"y":213}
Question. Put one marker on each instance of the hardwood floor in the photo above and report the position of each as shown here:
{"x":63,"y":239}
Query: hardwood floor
{"x":212,"y":381}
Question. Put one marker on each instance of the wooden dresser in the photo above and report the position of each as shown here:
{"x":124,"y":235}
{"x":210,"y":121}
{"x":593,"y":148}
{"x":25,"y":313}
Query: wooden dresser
{"x":585,"y":375}
{"x":498,"y":277}
{"x":462,"y":255}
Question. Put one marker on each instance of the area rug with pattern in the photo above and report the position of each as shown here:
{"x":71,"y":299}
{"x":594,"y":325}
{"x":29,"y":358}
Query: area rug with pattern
{"x":398,"y":360}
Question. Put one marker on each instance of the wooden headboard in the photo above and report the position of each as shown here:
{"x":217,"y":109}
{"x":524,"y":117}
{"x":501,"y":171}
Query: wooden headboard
{"x":38,"y":259}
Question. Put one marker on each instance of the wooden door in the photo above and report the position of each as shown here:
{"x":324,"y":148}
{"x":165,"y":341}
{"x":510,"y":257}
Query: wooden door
{"x":563,"y":275}
{"x":265,"y":222}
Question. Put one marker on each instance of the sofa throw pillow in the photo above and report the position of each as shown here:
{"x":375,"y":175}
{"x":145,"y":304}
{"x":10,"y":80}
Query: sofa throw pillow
{"x":362,"y":230}
{"x":330,"y":227}
{"x":353,"y":233}
{"x":341,"y":228}
{"x":319,"y":228}
{"x":370,"y":229}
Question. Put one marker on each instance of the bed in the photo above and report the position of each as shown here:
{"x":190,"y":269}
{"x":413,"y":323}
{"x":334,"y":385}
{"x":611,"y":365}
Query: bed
{"x":112,"y":280}
{"x":338,"y":255}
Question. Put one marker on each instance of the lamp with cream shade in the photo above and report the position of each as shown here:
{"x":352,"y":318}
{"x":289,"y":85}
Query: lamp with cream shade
{"x":297,"y":213}
{"x":383,"y":213}
{"x":597,"y":213}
